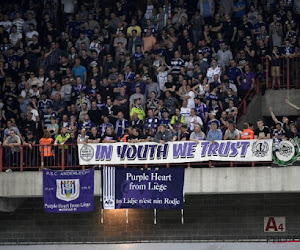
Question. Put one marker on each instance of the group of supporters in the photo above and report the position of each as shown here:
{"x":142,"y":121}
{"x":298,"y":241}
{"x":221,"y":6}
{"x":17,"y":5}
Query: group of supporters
{"x":162,"y":70}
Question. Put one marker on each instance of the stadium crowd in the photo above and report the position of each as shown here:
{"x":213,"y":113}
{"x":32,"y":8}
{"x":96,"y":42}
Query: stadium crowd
{"x":162,"y":70}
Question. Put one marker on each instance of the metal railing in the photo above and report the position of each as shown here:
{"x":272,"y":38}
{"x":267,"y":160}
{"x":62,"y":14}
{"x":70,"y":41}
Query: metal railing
{"x":31,"y":158}
{"x":289,"y":76}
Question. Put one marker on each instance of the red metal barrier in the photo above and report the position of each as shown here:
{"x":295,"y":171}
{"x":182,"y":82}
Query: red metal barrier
{"x":289,"y":73}
{"x":29,"y":158}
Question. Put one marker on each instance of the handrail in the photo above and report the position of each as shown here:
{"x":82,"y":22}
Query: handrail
{"x":288,"y":72}
{"x":30,"y":158}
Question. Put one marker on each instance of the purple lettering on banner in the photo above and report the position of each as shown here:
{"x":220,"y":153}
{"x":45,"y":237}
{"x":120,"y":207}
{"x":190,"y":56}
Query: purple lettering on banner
{"x":224,"y":149}
{"x":162,"y":151}
{"x":68,"y":191}
{"x":146,"y":189}
{"x":104,"y":152}
{"x":213,"y":148}
{"x":121,"y":150}
{"x":191,"y":149}
{"x":180,"y":150}
{"x":142,"y":152}
{"x":204,"y":144}
{"x":131,"y":152}
{"x":152,"y":151}
{"x":233,"y":149}
{"x":245,"y":145}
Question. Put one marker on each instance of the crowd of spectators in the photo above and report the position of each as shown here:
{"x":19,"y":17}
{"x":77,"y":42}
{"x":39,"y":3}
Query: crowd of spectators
{"x":159,"y":70}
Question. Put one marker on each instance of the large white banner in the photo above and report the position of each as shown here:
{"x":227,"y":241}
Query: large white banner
{"x":174,"y":152}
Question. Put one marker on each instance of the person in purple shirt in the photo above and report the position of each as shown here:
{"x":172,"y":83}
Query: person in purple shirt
{"x":245,"y":81}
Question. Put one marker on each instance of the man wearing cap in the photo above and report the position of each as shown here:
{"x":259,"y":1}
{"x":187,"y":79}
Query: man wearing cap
{"x":163,"y":134}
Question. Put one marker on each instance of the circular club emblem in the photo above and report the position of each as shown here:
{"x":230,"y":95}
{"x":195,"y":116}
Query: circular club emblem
{"x":260,"y":149}
{"x":86,"y":152}
{"x":286,"y":151}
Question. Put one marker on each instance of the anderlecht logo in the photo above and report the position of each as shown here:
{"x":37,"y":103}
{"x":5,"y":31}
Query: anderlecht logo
{"x":67,"y":190}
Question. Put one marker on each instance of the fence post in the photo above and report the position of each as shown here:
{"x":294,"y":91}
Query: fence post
{"x":1,"y":158}
{"x":63,"y":157}
{"x":21,"y":158}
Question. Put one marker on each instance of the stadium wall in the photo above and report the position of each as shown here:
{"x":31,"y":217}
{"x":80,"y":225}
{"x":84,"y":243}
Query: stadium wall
{"x":233,"y":180}
{"x":224,"y":217}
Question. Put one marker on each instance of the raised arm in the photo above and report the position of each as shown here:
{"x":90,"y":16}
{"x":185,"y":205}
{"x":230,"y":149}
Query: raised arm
{"x":291,"y":104}
{"x":274,"y":118}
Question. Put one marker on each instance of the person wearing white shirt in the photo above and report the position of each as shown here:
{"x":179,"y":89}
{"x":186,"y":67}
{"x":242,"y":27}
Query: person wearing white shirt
{"x":213,"y":70}
{"x":185,"y":112}
{"x":194,"y":120}
{"x":6,"y":23}
{"x":162,"y":75}
{"x":189,"y":97}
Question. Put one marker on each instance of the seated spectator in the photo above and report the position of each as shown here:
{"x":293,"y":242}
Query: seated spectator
{"x":165,"y":118}
{"x":197,"y":135}
{"x":151,"y":121}
{"x":86,"y":124}
{"x":182,"y":133}
{"x":231,"y":133}
{"x":214,"y":134}
{"x":163,"y":134}
{"x":136,"y":136}
{"x":135,"y":122}
{"x":95,"y":136}
{"x":102,"y":128}
{"x":232,"y":111}
{"x":109,"y":136}
{"x":177,"y":119}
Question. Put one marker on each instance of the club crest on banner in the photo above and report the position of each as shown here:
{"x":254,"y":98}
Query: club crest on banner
{"x":67,"y":190}
{"x":286,"y":151}
{"x":260,"y":148}
{"x":86,"y":153}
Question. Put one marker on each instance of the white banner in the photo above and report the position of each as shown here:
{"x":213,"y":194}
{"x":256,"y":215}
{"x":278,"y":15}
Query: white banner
{"x":174,"y":152}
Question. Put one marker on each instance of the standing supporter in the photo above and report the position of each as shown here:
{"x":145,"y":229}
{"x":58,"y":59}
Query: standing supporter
{"x":12,"y":151}
{"x":262,"y":132}
{"x":46,"y":150}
